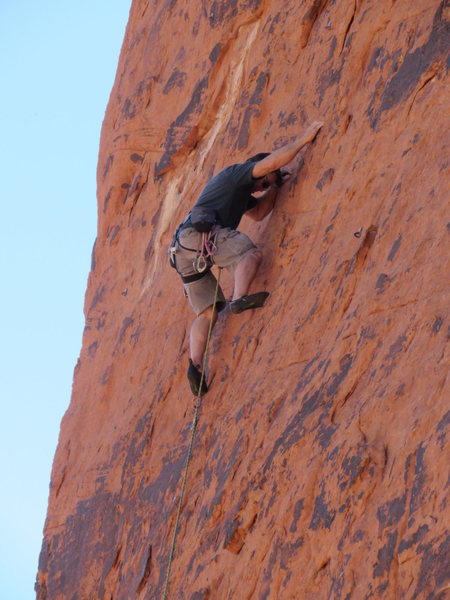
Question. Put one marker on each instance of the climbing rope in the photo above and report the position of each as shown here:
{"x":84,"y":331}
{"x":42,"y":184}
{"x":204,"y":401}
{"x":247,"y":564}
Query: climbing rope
{"x":194,"y":427}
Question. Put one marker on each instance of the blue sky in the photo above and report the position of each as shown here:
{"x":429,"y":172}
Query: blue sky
{"x":58,"y":61}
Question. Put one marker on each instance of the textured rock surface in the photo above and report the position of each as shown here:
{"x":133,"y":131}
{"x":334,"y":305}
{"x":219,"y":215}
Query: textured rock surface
{"x":320,"y":468}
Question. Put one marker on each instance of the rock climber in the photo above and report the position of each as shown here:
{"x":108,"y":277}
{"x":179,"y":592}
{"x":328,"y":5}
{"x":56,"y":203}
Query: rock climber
{"x":208,"y":236}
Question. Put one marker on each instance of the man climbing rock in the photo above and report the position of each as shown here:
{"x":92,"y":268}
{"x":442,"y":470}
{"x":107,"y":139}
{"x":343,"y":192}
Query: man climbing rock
{"x":208,"y":236}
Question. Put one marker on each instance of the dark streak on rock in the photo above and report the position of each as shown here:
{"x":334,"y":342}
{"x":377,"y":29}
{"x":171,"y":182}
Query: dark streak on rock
{"x":374,"y":62}
{"x":151,"y":244}
{"x":434,"y":569}
{"x":252,"y":110}
{"x":275,"y":21}
{"x":329,"y":78}
{"x":310,"y":403}
{"x":345,"y":533}
{"x":272,"y":499}
{"x":109,"y":162}
{"x":98,"y":297}
{"x":114,"y":232}
{"x":327,"y":177}
{"x":395,"y":248}
{"x":127,"y":322}
{"x":351,"y":465}
{"x":385,"y":556}
{"x":324,"y":435}
{"x":437,"y":325}
{"x":396,"y":347}
{"x":309,"y":20}
{"x":408,"y":76}
{"x":298,"y":509}
{"x":338,"y":378}
{"x":215,"y":53}
{"x":181,"y":128}
{"x":288,"y":551}
{"x":308,"y":316}
{"x":167,"y":481}
{"x":98,"y":513}
{"x":223,"y":470}
{"x":400,"y":391}
{"x":176,"y":79}
{"x":273,"y":557}
{"x":145,"y":569}
{"x":414,"y":539}
{"x":348,"y":39}
{"x":332,"y":47}
{"x":105,"y":202}
{"x":202,"y":594}
{"x":135,"y":335}
{"x":285,"y":122}
{"x":443,"y":426}
{"x":222,"y":11}
{"x":339,"y":580}
{"x":322,"y":516}
{"x":136,"y":158}
{"x":391,"y":512}
{"x":129,"y":109}
{"x":93,"y":264}
{"x":419,"y":481}
{"x":92,"y":349}
{"x":382,"y":280}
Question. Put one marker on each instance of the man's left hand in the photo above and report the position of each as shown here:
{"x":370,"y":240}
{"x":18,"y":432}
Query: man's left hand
{"x":286,"y":174}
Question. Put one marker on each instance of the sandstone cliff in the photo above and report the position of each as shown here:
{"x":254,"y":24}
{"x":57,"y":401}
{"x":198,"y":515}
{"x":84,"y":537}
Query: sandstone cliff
{"x":320,"y":465}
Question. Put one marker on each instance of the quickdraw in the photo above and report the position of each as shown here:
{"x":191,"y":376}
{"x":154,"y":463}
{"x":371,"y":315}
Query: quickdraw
{"x":206,"y":248}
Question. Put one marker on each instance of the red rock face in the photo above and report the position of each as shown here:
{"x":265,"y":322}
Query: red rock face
{"x":320,"y":464}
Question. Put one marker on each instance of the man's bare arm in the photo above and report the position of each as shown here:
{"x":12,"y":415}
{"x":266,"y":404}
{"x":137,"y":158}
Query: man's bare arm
{"x":281,"y":157}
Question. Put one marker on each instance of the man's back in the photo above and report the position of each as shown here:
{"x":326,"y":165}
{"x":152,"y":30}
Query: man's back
{"x":228,"y":194}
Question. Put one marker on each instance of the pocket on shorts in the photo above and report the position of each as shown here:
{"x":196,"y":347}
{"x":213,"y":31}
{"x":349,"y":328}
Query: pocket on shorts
{"x":232,"y":246}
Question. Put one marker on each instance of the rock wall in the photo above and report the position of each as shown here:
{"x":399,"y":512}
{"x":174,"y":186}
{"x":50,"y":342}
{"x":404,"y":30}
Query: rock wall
{"x":320,"y":464}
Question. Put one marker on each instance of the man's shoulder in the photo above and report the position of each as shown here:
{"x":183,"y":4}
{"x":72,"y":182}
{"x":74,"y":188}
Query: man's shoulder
{"x":238,"y":172}
{"x":227,"y":182}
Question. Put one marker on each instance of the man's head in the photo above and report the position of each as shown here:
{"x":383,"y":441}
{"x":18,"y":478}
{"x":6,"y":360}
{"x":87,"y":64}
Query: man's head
{"x":271,"y":178}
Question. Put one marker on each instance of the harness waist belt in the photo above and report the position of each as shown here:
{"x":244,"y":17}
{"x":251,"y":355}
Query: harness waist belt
{"x":192,"y":278}
{"x":186,"y":223}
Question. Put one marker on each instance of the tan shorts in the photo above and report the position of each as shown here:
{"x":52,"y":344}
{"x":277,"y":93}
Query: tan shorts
{"x":232,"y":247}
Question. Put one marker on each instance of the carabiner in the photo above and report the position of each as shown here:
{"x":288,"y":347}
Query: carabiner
{"x":200,"y":264}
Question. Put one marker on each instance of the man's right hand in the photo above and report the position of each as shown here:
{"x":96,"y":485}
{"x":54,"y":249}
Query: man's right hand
{"x":281,"y":157}
{"x":312,"y":131}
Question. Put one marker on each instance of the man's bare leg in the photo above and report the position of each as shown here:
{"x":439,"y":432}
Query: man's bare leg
{"x":245,"y":273}
{"x":199,"y":335}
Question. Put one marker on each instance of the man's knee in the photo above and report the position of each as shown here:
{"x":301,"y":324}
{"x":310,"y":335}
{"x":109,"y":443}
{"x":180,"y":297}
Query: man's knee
{"x":258,"y":255}
{"x":255,"y":257}
{"x":207,"y":314}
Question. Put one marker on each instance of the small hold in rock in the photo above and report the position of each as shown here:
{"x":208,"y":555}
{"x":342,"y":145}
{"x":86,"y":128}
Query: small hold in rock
{"x":125,"y":292}
{"x":358,"y":233}
{"x":328,"y":25}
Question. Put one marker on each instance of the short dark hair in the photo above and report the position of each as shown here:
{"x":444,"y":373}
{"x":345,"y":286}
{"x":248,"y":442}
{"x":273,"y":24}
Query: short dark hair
{"x":259,"y":157}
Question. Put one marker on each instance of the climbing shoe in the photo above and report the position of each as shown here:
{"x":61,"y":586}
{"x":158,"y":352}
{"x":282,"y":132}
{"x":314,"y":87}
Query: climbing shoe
{"x":194,"y":376}
{"x":248,"y":301}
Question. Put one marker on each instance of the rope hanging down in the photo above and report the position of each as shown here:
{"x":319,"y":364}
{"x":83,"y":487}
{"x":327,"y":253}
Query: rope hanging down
{"x":194,"y":427}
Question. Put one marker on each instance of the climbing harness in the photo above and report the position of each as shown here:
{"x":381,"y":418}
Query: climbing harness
{"x":193,"y":427}
{"x":206,"y":248}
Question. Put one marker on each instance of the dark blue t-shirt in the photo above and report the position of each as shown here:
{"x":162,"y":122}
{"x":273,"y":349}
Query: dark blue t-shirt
{"x":228,"y":194}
